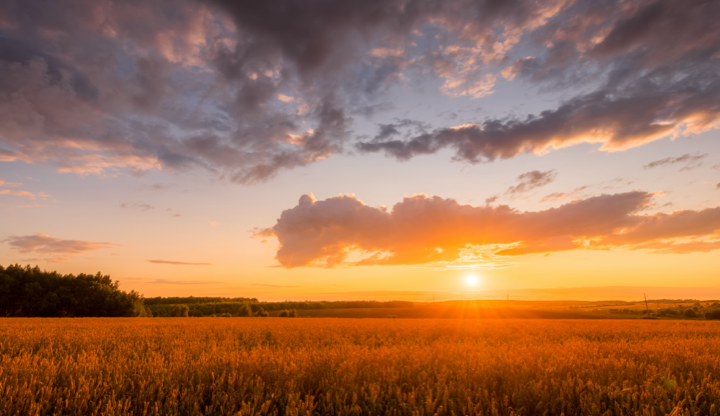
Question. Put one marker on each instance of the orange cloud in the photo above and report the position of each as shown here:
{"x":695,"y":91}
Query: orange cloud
{"x":663,"y":227}
{"x":17,"y":193}
{"x":423,"y":229}
{"x":56,"y":247}
{"x":560,"y":196}
{"x":11,"y":184}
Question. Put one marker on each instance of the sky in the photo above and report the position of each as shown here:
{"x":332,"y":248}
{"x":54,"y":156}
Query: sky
{"x":365,"y":149}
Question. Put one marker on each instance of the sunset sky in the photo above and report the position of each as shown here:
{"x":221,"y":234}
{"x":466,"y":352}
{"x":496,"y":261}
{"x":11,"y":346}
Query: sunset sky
{"x":365,"y":149}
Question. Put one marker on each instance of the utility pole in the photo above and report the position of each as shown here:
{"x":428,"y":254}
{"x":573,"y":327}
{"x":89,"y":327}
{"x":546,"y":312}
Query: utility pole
{"x":646,"y":304}
{"x":508,"y":300}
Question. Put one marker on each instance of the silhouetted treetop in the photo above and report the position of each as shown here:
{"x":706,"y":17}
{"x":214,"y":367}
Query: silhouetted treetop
{"x":32,"y":292}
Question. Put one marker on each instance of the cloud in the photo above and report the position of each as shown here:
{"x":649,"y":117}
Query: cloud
{"x":171,"y":281}
{"x":525,"y":65}
{"x":156,"y":187}
{"x":57,"y":248}
{"x":680,"y":248}
{"x":17,"y":193}
{"x":423,"y":229}
{"x":245,"y":90}
{"x":9,"y":184}
{"x":646,"y":91}
{"x":561,"y":196}
{"x":531,"y":180}
{"x":178,"y":263}
{"x":691,"y":161}
{"x":616,"y":118}
{"x":136,"y":205}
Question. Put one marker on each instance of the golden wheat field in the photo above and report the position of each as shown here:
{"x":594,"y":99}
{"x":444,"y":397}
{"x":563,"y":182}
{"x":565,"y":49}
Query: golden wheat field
{"x":246,"y":366}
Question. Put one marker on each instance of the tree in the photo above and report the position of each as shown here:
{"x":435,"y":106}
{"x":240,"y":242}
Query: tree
{"x":180,"y":311}
{"x":690,"y":313}
{"x":288,"y":313}
{"x":245,"y":310}
{"x":32,"y":292}
{"x":712,"y":314}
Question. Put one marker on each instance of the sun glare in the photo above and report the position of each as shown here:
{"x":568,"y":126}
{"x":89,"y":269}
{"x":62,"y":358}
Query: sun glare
{"x":472,"y":280}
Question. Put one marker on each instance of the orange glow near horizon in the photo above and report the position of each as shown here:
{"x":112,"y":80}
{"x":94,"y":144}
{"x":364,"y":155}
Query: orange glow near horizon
{"x":548,"y":150}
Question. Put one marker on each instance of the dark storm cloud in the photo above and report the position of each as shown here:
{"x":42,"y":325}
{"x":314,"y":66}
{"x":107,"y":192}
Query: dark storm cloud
{"x":241,"y":89}
{"x":406,"y":126}
{"x":247,"y":89}
{"x":15,"y":51}
{"x":664,"y":31}
{"x":618,"y":118}
{"x":327,"y":35}
{"x":386,"y":131}
{"x":625,"y":37}
{"x":658,"y":63}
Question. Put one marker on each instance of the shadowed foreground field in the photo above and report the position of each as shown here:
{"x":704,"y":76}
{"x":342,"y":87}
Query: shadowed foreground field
{"x":249,"y":366}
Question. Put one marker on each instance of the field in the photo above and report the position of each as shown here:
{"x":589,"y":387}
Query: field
{"x":251,"y":366}
{"x":519,"y":310}
{"x":452,"y":312}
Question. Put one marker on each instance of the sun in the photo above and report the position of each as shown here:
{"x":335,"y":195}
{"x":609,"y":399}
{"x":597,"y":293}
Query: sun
{"x":472,"y":280}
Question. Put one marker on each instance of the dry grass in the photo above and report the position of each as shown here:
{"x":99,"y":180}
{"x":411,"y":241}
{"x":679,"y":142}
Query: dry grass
{"x":189,"y":366}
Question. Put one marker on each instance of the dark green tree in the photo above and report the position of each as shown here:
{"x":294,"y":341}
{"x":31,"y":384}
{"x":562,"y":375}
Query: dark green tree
{"x":288,"y":313}
{"x":180,"y":311}
{"x":32,"y":292}
{"x":244,"y":310}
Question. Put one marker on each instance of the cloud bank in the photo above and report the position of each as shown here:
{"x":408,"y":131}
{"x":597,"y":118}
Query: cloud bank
{"x":244,"y":90}
{"x":657,"y":65}
{"x":423,"y":229}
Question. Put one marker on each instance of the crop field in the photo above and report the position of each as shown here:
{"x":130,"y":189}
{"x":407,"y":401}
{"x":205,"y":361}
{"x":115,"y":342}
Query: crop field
{"x":452,"y":312}
{"x":250,"y":366}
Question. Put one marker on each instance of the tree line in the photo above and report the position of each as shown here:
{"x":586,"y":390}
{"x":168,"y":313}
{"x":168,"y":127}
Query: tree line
{"x":175,"y":300}
{"x":31,"y":292}
{"x":207,"y":309}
